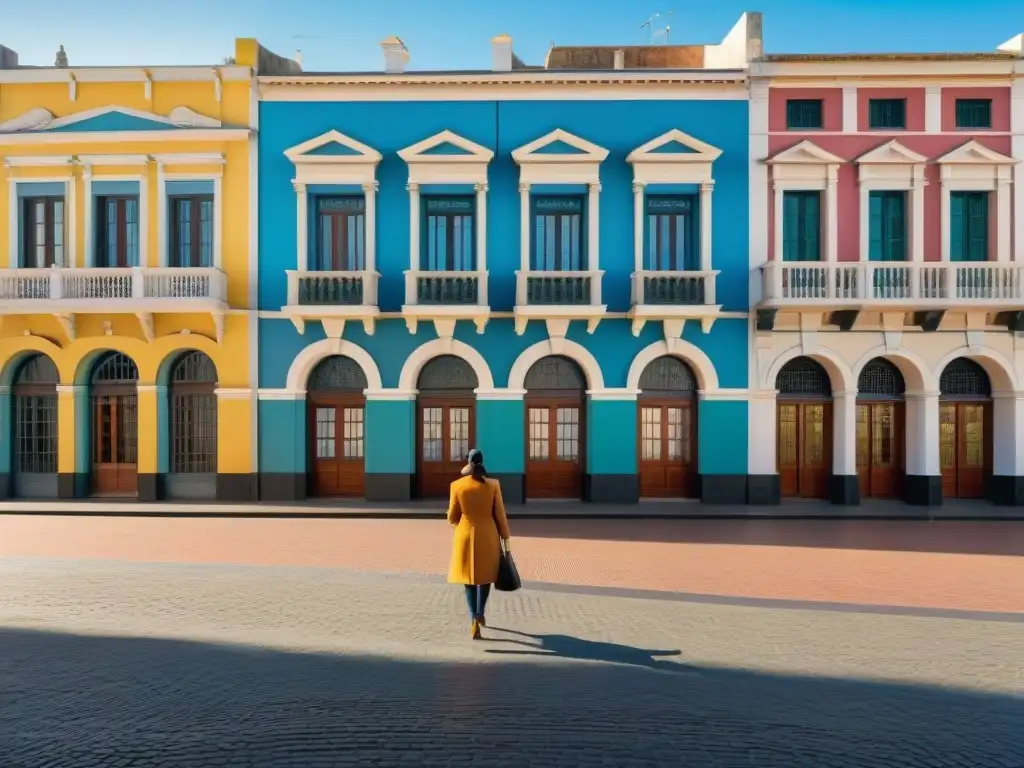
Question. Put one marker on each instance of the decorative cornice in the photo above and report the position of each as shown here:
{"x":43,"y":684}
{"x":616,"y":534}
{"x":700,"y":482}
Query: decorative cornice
{"x":538,"y":77}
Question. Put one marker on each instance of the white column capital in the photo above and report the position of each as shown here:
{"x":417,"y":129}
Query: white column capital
{"x":481,"y":186}
{"x":371,"y":186}
{"x":299,"y":187}
{"x":412,"y":186}
{"x":707,"y":186}
{"x":524,"y":186}
{"x":638,"y":187}
{"x":594,"y":186}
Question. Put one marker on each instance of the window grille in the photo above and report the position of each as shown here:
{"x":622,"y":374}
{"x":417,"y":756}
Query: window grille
{"x":965,"y":378}
{"x":803,"y":377}
{"x":337,"y":373}
{"x":555,"y":373}
{"x":447,"y":373}
{"x":668,"y":374}
{"x":881,"y":378}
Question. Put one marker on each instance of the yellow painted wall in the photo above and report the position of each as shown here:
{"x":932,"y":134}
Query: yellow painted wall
{"x":175,"y":333}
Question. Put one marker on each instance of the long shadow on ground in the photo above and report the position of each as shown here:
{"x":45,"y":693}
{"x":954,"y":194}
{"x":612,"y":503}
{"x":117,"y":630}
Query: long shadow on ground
{"x":96,"y":701}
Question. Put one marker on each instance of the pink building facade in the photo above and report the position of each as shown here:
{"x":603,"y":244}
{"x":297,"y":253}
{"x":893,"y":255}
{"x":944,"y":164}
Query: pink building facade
{"x":887,"y":268}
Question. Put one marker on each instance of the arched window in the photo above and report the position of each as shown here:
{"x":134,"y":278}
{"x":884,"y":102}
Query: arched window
{"x":337,"y":373}
{"x":880,"y":378}
{"x":668,"y":374}
{"x":803,"y":377}
{"x":555,"y":374}
{"x":115,"y":423}
{"x":35,"y":428}
{"x":965,"y":378}
{"x":446,"y":423}
{"x":115,"y":368}
{"x":193,"y":413}
{"x":447,"y":373}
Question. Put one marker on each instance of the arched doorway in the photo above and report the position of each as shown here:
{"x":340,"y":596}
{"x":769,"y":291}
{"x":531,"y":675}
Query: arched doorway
{"x":115,"y":421}
{"x":336,"y":408}
{"x":193,"y":428}
{"x":34,"y":455}
{"x":446,"y":423}
{"x":804,"y":429}
{"x":668,"y":429}
{"x":555,"y":408}
{"x":880,"y":429}
{"x":965,"y":429}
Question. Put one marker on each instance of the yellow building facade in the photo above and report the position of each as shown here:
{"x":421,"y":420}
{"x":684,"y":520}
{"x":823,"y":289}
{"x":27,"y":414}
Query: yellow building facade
{"x":127,"y":271}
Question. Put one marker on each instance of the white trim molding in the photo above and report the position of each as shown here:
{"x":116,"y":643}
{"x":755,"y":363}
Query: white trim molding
{"x":356,"y":166}
{"x":469,"y":166}
{"x":423,"y":354}
{"x":563,"y":347}
{"x":695,"y":357}
{"x":893,"y":167}
{"x":39,"y":119}
{"x":304,"y":363}
{"x":14,"y":218}
{"x":974,"y":167}
{"x":807,"y":167}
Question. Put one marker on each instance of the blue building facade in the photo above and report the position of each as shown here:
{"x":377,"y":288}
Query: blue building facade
{"x":553,"y":275}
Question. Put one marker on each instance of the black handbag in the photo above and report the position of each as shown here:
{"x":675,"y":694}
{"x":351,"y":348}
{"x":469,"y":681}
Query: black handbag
{"x":508,"y":575}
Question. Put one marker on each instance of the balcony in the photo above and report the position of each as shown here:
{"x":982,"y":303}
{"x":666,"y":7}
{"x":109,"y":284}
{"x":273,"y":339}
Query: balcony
{"x":142,"y":291}
{"x":673,"y":298}
{"x":445,"y":297}
{"x":987,"y":286}
{"x":332,"y":298}
{"x":558,"y":296}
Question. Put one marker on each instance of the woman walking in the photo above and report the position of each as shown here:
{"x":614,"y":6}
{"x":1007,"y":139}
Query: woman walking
{"x":477,"y":511}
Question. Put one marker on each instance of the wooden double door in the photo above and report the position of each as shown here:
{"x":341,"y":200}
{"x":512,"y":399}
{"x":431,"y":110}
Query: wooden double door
{"x":115,"y":443}
{"x":446,"y":430}
{"x":554,"y":448}
{"x":965,"y":448}
{"x":880,"y":449}
{"x":668,"y":448}
{"x":804,"y":448}
{"x":336,"y":435}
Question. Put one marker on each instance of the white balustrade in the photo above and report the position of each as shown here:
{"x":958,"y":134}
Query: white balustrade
{"x":880,"y":282}
{"x":94,"y":288}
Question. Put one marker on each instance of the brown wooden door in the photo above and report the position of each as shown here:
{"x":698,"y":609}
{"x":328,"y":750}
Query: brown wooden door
{"x":804,"y":451}
{"x":880,"y":465}
{"x":965,"y":448}
{"x":446,"y":431}
{"x":554,"y":450}
{"x":336,"y":443}
{"x":668,"y":448}
{"x":115,"y":444}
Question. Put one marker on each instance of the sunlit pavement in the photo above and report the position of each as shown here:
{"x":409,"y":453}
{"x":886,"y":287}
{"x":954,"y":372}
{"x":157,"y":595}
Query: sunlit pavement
{"x":154,"y":642}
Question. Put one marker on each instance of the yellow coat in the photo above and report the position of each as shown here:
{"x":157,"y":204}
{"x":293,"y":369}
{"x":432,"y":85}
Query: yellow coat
{"x":478,"y":514}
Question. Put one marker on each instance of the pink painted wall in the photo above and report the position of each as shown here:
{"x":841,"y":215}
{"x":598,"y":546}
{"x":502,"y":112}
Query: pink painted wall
{"x":850,"y":147}
{"x":915,"y":105}
{"x":1000,"y":106}
{"x":831,"y":107}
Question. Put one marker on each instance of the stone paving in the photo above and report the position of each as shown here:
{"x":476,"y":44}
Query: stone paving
{"x":171,"y":665}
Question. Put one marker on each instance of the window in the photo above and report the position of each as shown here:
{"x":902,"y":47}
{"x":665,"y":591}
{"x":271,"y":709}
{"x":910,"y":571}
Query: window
{"x":804,"y":113}
{"x":43,"y":232}
{"x":968,"y":226}
{"x":887,"y":113}
{"x":973,"y":113}
{"x":887,"y":226}
{"x":192,"y":231}
{"x":449,"y":242}
{"x":801,"y":226}
{"x":341,"y":234}
{"x":558,"y":234}
{"x":672,"y":234}
{"x":117,"y":231}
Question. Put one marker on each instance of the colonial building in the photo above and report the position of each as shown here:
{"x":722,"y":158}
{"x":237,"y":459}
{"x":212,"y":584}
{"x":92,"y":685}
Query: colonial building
{"x":887,"y":255}
{"x":547,"y":262}
{"x":127,"y":366}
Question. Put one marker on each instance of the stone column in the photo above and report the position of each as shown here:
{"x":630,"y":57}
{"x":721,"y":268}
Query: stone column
{"x":705,"y":225}
{"x":1008,"y":444}
{"x":301,"y":227}
{"x":762,"y":449}
{"x":414,"y":225}
{"x":845,"y":484}
{"x":923,"y":483}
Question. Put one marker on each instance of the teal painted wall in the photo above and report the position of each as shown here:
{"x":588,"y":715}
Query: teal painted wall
{"x":83,"y":421}
{"x":501,"y":435}
{"x":163,"y":445}
{"x":282,"y":438}
{"x":6,"y":433}
{"x":722,"y":437}
{"x":390,"y":436}
{"x":611,"y":437}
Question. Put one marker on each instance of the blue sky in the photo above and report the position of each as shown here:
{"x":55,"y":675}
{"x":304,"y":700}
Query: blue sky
{"x":455,"y":34}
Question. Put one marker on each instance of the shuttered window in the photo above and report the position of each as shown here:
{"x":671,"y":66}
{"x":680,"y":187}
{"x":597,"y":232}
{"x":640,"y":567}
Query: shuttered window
{"x":448,"y":241}
{"x":804,"y":113}
{"x":558,"y":234}
{"x":968,"y":226}
{"x":801,"y":226}
{"x":887,"y":113}
{"x":672,"y":242}
{"x":887,"y":226}
{"x":974,"y":113}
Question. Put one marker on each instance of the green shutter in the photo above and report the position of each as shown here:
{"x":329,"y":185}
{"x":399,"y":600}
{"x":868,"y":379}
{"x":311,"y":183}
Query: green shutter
{"x":977,"y":226}
{"x":790,"y":226}
{"x":957,"y":228}
{"x":811,"y":225}
{"x":876,"y":203}
{"x":896,"y":226}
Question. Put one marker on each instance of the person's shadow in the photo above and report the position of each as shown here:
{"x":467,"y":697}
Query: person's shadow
{"x":567,"y":647}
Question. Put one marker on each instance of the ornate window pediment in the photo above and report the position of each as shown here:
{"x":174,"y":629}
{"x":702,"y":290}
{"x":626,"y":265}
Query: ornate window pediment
{"x":107,"y":119}
{"x":447,"y":158}
{"x":334,"y":158}
{"x":805,"y":162}
{"x":559,"y":157}
{"x":673,"y":158}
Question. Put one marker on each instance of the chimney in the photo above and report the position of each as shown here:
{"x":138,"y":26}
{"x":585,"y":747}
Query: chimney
{"x":620,"y":59}
{"x":8,"y":58}
{"x":396,"y":55}
{"x":501,"y":53}
{"x":298,"y":57}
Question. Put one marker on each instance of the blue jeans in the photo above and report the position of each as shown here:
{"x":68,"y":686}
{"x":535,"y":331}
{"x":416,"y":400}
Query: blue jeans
{"x":476,"y":599}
